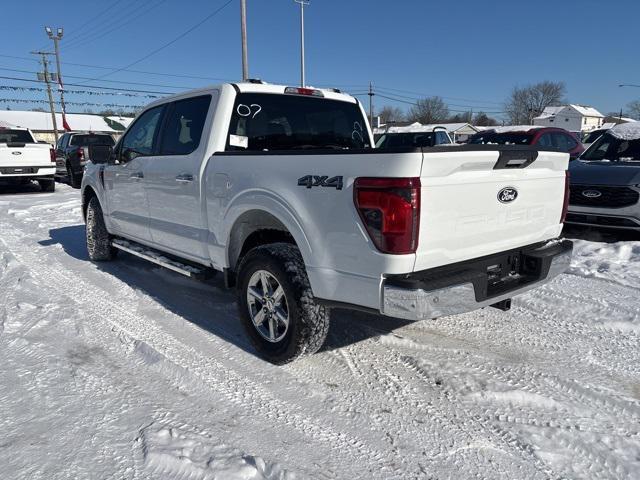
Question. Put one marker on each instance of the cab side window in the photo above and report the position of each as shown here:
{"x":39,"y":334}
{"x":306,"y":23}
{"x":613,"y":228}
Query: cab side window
{"x":140,"y":138}
{"x":183,"y":128}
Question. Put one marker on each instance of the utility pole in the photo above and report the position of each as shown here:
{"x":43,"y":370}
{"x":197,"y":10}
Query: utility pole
{"x":302,"y":3}
{"x":371,"y":94}
{"x":243,"y":33}
{"x":46,"y":76}
{"x":56,"y":38}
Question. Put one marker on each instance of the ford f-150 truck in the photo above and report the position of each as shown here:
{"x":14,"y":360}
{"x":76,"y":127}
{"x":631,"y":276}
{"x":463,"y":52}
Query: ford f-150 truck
{"x":281,"y":189}
{"x":23,"y":159}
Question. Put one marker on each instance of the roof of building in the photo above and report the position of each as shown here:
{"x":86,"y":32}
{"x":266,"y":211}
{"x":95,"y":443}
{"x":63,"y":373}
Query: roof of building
{"x":583,"y":110}
{"x":41,"y":121}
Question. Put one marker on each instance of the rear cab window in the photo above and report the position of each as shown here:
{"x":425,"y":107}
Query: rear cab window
{"x":266,"y":121}
{"x":91,"y":139}
{"x":15,"y":136}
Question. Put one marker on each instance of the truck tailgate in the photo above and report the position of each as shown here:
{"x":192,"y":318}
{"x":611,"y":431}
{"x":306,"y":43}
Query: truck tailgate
{"x":462,"y":216}
{"x":25,"y":155}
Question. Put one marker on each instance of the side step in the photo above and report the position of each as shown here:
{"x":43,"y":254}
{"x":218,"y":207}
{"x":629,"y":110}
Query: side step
{"x":158,"y":258}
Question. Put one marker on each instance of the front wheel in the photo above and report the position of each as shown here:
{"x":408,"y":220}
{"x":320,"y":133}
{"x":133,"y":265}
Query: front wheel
{"x":276,"y":304}
{"x":98,"y":238}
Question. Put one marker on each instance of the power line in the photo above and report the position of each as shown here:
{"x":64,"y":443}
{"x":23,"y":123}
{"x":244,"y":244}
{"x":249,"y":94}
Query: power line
{"x":91,"y":86}
{"x":115,"y":24}
{"x":76,"y":33}
{"x":414,"y":104}
{"x":426,"y":95}
{"x":179,"y":37}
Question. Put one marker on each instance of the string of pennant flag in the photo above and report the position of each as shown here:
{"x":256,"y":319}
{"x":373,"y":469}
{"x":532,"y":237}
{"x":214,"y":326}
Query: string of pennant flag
{"x":14,"y":88}
{"x":111,"y":105}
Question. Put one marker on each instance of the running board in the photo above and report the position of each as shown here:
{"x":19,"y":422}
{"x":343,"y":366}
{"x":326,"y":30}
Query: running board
{"x":158,"y":258}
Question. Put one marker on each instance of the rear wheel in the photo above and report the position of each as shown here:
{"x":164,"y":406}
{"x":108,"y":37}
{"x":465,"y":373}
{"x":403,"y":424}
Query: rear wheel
{"x":47,"y":185}
{"x":74,"y":179}
{"x":98,"y":238}
{"x":276,"y":304}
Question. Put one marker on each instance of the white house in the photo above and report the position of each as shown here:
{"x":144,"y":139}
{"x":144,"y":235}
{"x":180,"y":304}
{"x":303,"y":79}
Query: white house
{"x":575,"y":118}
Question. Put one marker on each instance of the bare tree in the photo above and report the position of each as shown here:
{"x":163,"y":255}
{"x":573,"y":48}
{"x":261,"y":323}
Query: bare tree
{"x":391,"y":114}
{"x":483,"y":120}
{"x":634,"y":109}
{"x":429,"y":110}
{"x":528,"y":102}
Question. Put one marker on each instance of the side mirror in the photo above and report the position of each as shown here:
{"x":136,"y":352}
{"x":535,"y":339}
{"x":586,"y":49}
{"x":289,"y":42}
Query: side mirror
{"x":100,"y":153}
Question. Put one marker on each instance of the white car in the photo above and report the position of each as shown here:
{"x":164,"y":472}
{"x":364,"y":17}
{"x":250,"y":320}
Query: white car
{"x":23,"y":159}
{"x":279,"y":188}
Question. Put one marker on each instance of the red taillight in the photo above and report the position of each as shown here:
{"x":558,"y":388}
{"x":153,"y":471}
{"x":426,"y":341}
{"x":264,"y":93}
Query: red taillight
{"x":390,"y":211}
{"x":565,"y":205}
{"x":52,"y":155}
{"x":81,"y":153}
{"x":304,"y":91}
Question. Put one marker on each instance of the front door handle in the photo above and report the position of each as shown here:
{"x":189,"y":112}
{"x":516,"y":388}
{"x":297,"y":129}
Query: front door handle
{"x":136,"y":175}
{"x":184,"y":178}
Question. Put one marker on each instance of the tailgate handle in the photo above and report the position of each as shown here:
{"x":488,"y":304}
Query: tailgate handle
{"x":515,"y":158}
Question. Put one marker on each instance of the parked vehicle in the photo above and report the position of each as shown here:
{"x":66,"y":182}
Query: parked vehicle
{"x":280,"y":189}
{"x":413,"y":139}
{"x":542,"y":138}
{"x":23,"y":159}
{"x":71,"y":153}
{"x":590,"y":137}
{"x":605,"y":181}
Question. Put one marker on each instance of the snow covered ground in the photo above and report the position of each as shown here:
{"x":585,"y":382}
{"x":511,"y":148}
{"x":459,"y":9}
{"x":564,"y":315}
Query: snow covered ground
{"x":125,"y":370}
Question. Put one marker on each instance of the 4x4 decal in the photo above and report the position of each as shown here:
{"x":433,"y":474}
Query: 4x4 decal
{"x":320,"y":181}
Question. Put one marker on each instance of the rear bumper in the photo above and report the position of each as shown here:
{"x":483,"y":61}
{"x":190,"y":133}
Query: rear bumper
{"x":473,"y":284}
{"x":27,"y":171}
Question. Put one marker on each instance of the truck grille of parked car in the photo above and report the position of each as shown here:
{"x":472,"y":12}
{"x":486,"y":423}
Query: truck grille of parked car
{"x":14,"y":170}
{"x":601,"y":196}
{"x":604,"y":221}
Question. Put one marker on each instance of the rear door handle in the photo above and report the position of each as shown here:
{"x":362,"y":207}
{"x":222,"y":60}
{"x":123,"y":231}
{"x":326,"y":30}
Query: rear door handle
{"x":136,"y":175}
{"x":184,"y":178}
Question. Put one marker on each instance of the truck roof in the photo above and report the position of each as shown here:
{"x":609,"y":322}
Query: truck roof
{"x":254,"y":87}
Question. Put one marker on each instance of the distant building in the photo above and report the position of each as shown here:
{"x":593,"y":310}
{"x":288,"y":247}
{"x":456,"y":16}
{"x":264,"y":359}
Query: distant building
{"x":41,"y":124}
{"x":575,"y":118}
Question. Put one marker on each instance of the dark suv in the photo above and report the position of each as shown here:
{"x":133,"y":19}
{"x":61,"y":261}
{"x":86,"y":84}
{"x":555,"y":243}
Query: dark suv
{"x":542,"y":138}
{"x":71,"y":153}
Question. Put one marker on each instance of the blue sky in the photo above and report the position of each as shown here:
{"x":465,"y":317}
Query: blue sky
{"x":472,"y":53}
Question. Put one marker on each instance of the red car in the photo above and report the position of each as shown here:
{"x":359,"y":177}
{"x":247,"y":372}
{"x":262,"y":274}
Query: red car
{"x":542,"y":138}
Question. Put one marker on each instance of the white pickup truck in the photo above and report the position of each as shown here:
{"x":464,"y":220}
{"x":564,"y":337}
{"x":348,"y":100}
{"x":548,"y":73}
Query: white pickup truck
{"x":280,"y":189}
{"x":23,"y":159}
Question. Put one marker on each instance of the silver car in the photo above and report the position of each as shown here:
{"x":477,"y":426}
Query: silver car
{"x":605,"y":181}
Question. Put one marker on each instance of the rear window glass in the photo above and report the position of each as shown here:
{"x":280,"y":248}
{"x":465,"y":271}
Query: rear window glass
{"x":263,"y":122}
{"x":184,"y":125}
{"x":15,"y":136}
{"x":510,"y":138}
{"x":86,"y":140}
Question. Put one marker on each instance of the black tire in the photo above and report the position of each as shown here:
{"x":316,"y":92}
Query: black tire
{"x":47,"y":185}
{"x":308,"y":321}
{"x":98,"y":238}
{"x":74,"y":180}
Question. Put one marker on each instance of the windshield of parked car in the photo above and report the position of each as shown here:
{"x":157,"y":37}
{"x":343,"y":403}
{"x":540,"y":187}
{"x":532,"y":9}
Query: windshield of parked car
{"x":15,"y":136}
{"x":592,"y":136}
{"x":86,"y":140}
{"x":506,"y":138}
{"x":612,"y":148}
{"x":263,"y":122}
{"x":412,"y":139}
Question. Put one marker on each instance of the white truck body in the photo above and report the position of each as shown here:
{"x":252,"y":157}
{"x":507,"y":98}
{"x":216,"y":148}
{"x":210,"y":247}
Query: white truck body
{"x":22,"y":157}
{"x":202,"y":207}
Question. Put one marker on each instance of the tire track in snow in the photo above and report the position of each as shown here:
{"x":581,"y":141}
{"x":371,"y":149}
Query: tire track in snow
{"x":238,"y":390}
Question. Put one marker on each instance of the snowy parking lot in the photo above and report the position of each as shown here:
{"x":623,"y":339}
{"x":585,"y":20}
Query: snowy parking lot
{"x":126,"y":370}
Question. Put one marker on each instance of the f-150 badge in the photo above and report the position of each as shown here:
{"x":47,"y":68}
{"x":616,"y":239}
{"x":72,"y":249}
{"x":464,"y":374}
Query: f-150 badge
{"x":320,"y":181}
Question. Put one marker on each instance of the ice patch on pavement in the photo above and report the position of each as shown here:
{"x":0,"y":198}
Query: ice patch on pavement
{"x":614,"y":262}
{"x":174,"y":453}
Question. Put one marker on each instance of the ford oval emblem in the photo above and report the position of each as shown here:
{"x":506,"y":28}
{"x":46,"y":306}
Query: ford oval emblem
{"x":507,"y":195}
{"x":16,"y":153}
{"x":591,"y":193}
